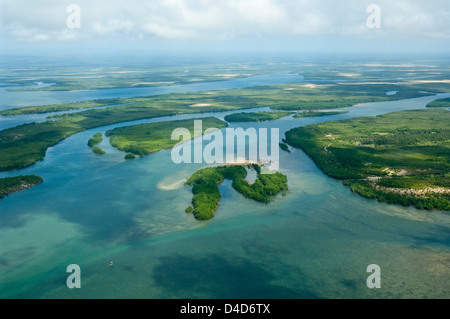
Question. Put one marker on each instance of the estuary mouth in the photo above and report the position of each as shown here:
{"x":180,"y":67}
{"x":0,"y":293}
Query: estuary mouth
{"x":215,"y":153}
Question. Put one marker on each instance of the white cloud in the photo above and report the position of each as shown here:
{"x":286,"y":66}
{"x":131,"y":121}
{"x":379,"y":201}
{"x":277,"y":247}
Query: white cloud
{"x":114,"y":26}
{"x":258,"y":11}
{"x":167,"y":32}
{"x":221,"y":19}
{"x":68,"y":35}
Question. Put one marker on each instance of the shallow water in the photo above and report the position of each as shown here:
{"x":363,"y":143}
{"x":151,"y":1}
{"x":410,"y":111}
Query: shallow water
{"x":14,"y":98}
{"x":315,"y":242}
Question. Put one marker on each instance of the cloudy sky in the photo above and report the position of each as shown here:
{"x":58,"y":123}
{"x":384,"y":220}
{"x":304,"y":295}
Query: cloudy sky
{"x":282,"y":24}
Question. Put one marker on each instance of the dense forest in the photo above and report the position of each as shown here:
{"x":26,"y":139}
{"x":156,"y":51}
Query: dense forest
{"x":256,"y":116}
{"x":317,"y":113}
{"x":440,"y":103}
{"x":205,"y":187}
{"x":144,"y":139}
{"x":401,"y":157}
{"x":24,"y":145}
{"x":9,"y":185}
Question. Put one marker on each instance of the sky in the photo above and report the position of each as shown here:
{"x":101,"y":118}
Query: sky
{"x":291,"y":25}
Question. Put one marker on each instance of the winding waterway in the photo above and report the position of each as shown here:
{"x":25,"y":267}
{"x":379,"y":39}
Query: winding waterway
{"x":315,"y":242}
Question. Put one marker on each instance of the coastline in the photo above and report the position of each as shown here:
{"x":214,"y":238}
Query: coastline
{"x":10,"y":185}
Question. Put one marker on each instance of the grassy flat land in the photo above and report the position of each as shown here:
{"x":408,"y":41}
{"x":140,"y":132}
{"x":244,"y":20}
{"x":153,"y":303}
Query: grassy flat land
{"x":205,"y":187}
{"x":9,"y":185}
{"x":137,"y":74}
{"x":26,"y":144}
{"x":401,"y":157}
{"x":110,"y":77}
{"x":332,"y":96}
{"x":59,"y":107}
{"x":313,"y":114}
{"x":256,"y":116}
{"x":398,"y":72}
{"x":144,"y":139}
{"x":288,"y":97}
{"x":437,"y":87}
{"x":440,"y":103}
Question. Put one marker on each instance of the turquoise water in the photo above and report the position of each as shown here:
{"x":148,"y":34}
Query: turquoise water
{"x":315,"y":242}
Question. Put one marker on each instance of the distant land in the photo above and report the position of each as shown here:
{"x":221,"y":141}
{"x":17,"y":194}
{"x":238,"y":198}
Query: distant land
{"x":26,"y":144}
{"x":256,"y":116}
{"x":313,"y":113}
{"x":9,"y":185}
{"x":440,"y":103}
{"x":401,"y":157}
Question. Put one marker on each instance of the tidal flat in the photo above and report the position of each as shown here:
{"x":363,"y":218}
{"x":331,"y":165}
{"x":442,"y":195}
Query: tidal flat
{"x":315,"y":242}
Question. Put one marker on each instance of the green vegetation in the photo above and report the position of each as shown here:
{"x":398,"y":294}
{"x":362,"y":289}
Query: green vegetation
{"x":284,"y":147}
{"x":256,"y":117}
{"x":130,"y":157}
{"x":375,"y":71}
{"x":332,"y":96}
{"x":312,"y":113}
{"x":96,"y":139}
{"x":143,"y":75}
{"x":288,"y":97}
{"x":26,"y":144}
{"x":433,"y":87}
{"x":440,"y":103}
{"x":134,"y":77}
{"x":98,"y":150}
{"x":144,"y":139}
{"x":206,"y":187}
{"x":401,"y":157}
{"x":189,"y":210}
{"x":9,"y":185}
{"x":59,"y":107}
{"x":417,"y":194}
